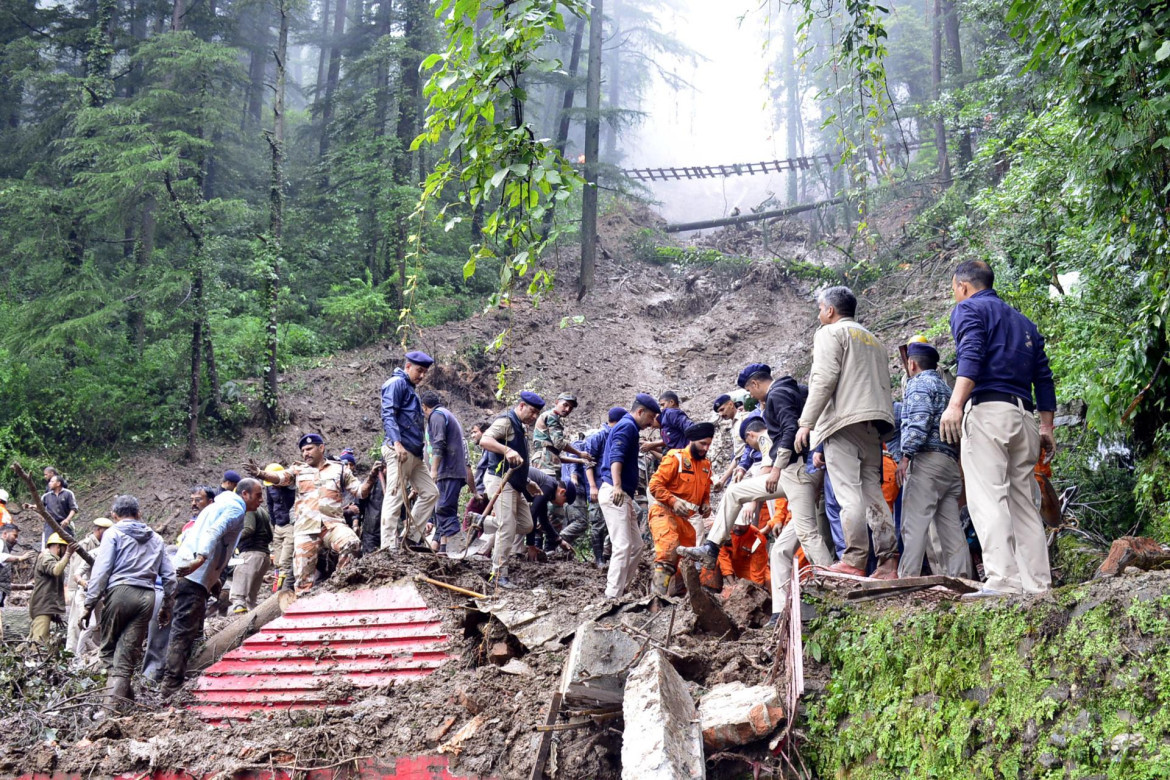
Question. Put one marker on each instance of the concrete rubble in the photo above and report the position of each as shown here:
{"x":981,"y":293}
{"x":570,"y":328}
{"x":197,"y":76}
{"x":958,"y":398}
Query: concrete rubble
{"x":736,"y":714}
{"x":599,"y":660}
{"x":662,"y":739}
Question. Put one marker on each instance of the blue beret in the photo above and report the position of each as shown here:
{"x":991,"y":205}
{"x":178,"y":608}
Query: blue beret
{"x":348,"y":457}
{"x":751,"y":369}
{"x":420,"y":359}
{"x":617,"y":413}
{"x":646,"y":400}
{"x":310,"y":438}
{"x":532,"y":399}
{"x":720,"y":401}
{"x":744,"y":423}
{"x":231,"y":476}
{"x":570,"y":492}
{"x":916,"y":348}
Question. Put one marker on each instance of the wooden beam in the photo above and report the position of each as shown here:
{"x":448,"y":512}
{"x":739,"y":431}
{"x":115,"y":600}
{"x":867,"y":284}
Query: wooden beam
{"x":745,"y":218}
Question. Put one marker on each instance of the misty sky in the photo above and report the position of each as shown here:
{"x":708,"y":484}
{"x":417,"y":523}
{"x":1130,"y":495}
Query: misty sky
{"x":727,"y":119}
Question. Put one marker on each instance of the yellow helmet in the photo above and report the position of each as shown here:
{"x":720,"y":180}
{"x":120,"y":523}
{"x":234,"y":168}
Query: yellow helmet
{"x":271,"y":468}
{"x":918,"y":339}
{"x":55,"y":539}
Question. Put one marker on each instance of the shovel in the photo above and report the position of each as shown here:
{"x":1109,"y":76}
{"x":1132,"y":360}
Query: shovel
{"x":458,"y":545}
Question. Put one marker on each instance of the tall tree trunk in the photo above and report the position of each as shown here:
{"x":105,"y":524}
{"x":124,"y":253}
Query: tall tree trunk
{"x":792,"y":127}
{"x":255,"y":25}
{"x":411,"y":88}
{"x":954,"y":60}
{"x":615,"y":86}
{"x":333,"y":76}
{"x":322,"y":61}
{"x":276,"y":215}
{"x":178,"y":11}
{"x":592,"y":131}
{"x":212,"y":368}
{"x":940,"y":127}
{"x":143,"y":249}
{"x":565,"y":119}
{"x":196,"y":360}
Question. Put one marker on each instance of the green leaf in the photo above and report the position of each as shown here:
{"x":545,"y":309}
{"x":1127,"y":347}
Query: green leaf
{"x":1163,"y":51}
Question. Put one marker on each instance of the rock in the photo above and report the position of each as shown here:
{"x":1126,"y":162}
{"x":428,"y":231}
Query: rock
{"x":662,"y":739}
{"x":747,"y":604}
{"x":469,"y":702}
{"x":440,"y":731}
{"x":1056,"y":693}
{"x":599,"y":660}
{"x":518,"y":667}
{"x":735,"y":714}
{"x":1049,"y":761}
{"x":500,"y":653}
{"x":1058,"y":740}
{"x":1123,"y":742}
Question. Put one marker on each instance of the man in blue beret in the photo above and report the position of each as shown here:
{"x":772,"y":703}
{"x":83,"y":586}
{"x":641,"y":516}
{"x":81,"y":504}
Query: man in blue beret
{"x":850,"y":409}
{"x":404,"y":424}
{"x":929,"y":471}
{"x":722,"y":452}
{"x":619,"y":476}
{"x":992,"y":412}
{"x":506,"y":444}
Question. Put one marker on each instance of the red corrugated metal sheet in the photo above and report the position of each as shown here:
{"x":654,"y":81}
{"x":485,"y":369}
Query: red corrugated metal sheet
{"x":366,"y":638}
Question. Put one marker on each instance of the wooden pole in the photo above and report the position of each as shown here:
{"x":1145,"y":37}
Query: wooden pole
{"x":234,"y":634}
{"x":592,"y":142}
{"x":455,"y":588}
{"x":745,"y":218}
{"x":40,"y":510}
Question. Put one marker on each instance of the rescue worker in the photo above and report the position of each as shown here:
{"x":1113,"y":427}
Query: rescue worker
{"x":8,"y":558}
{"x":549,"y":442}
{"x":929,"y":471}
{"x":129,"y":561}
{"x":46,"y":606}
{"x":673,"y":421}
{"x":402,"y":451}
{"x":199,"y":565}
{"x":80,"y":641}
{"x":506,"y":444}
{"x":61,"y":505}
{"x":254,"y":551}
{"x":370,"y":508}
{"x":318,"y":522}
{"x":231,"y":478}
{"x":449,"y":467}
{"x":280,"y":502}
{"x":5,"y":515}
{"x":681,"y":490}
{"x":722,"y":453}
{"x":551,"y":493}
{"x":593,"y":445}
{"x":850,"y":410}
{"x":745,"y":555}
{"x":619,"y":476}
{"x":1001,"y":362}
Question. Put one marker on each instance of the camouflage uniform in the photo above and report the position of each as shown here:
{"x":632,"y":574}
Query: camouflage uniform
{"x":548,"y":441}
{"x":317,"y":516}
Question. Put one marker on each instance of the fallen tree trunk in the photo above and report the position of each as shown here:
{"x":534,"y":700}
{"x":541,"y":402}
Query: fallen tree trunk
{"x":708,"y":613}
{"x":742,"y":219}
{"x":15,"y":622}
{"x":40,"y":510}
{"x":1140,"y":552}
{"x":234,"y":634}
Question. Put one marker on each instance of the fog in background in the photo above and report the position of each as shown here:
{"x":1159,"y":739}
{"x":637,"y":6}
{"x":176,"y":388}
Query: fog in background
{"x":727,"y":118}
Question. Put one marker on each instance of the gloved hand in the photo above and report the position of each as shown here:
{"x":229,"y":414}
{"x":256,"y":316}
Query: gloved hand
{"x":705,"y":510}
{"x":683,"y":508}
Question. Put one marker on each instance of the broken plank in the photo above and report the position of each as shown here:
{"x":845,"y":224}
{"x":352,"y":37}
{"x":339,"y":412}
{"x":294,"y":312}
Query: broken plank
{"x":554,"y":709}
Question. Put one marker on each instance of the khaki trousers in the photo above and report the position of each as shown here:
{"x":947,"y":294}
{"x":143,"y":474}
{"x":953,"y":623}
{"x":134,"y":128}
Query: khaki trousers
{"x":513,"y":521}
{"x":737,"y":494}
{"x":625,"y":538}
{"x":282,"y":548}
{"x":40,"y":628}
{"x":802,"y":489}
{"x":1001,"y":442}
{"x":853,"y":456}
{"x":247,"y":578}
{"x":414,"y":473}
{"x":82,"y":641}
{"x":930,"y":500}
{"x":780,"y":560}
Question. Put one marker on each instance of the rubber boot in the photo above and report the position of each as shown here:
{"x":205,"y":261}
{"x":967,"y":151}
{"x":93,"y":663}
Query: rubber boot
{"x":118,"y":694}
{"x":660,"y":582}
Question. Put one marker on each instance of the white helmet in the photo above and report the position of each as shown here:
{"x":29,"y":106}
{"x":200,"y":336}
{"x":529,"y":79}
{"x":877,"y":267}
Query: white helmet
{"x":3,"y":496}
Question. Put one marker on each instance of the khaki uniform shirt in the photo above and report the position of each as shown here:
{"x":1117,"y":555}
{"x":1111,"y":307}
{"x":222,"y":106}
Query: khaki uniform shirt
{"x":320,"y":493}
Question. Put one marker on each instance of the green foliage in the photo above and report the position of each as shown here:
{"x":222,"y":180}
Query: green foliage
{"x":489,"y":153}
{"x":986,"y":691}
{"x":360,"y":307}
{"x":1152,"y":489}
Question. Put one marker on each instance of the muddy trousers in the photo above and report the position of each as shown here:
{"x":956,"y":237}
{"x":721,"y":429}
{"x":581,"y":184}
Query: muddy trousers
{"x":669,"y":532}
{"x":1001,"y":442}
{"x":282,"y":549}
{"x":247,"y":577}
{"x":626,"y":539}
{"x":41,"y":627}
{"x":780,"y":560}
{"x":853,"y":457}
{"x":930,"y":502}
{"x":447,"y":507}
{"x":125,"y":621}
{"x":186,"y":628}
{"x":334,"y":536}
{"x":737,"y":494}
{"x":400,"y":475}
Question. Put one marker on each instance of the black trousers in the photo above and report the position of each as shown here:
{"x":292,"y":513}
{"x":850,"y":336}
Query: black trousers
{"x":186,"y":627}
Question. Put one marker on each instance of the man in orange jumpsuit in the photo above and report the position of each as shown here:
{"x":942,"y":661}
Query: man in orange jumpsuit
{"x":681,"y":488}
{"x":746,"y":554}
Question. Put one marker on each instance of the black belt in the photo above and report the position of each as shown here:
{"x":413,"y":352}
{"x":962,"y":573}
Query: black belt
{"x":991,"y":396}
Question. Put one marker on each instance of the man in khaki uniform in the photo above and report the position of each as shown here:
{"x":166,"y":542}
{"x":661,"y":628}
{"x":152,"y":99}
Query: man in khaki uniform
{"x":1001,"y":360}
{"x":849,"y":408}
{"x":318,"y":521}
{"x":549,"y":443}
{"x":80,"y":641}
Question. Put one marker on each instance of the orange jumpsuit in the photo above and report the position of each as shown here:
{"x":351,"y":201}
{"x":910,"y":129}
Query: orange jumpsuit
{"x":737,"y":558}
{"x":678,"y":475}
{"x":890,"y":487}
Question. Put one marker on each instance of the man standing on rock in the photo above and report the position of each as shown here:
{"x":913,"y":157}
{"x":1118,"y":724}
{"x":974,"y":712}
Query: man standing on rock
{"x":1001,"y":361}
{"x":929,"y":471}
{"x":318,"y":511}
{"x":681,"y":489}
{"x":200,"y":563}
{"x":449,"y":468}
{"x":506,"y":444}
{"x":619,"y":476}
{"x":130,"y":560}
{"x":404,"y":424}
{"x":849,"y":409}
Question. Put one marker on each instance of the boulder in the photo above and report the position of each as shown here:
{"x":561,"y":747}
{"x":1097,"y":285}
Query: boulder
{"x":662,"y":739}
{"x":736,"y":714}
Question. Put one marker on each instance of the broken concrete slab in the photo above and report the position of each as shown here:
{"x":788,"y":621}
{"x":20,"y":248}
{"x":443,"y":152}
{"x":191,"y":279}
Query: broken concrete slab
{"x":662,"y":739}
{"x":534,"y":618}
{"x":736,"y":714}
{"x":599,"y":660}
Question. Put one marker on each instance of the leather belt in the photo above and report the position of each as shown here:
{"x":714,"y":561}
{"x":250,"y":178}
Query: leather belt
{"x":992,"y":396}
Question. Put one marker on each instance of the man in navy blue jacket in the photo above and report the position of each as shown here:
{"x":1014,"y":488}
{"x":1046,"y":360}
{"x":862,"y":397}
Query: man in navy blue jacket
{"x":404,"y":424}
{"x":619,"y":477}
{"x":1001,"y":360}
